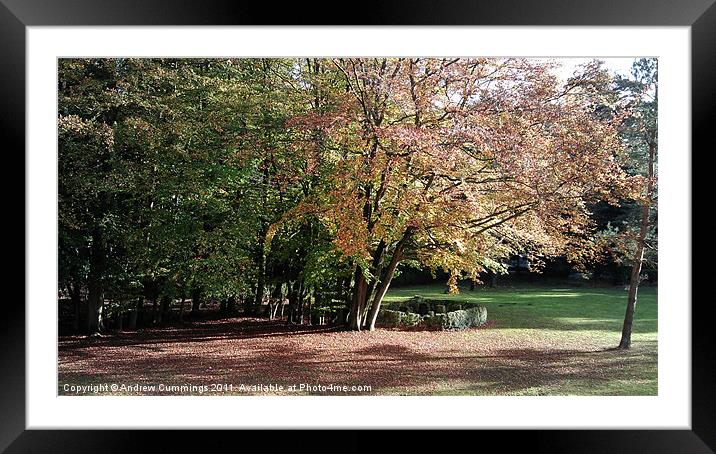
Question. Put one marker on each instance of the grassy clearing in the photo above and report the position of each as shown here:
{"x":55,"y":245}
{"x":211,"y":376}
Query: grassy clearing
{"x":596,"y":311}
{"x":584,"y":324}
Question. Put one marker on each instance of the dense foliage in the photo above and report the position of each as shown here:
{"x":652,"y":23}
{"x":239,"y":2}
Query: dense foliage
{"x":308,"y":181}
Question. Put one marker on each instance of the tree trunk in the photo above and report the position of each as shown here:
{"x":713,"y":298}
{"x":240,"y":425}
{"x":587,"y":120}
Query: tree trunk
{"x":299,"y":305}
{"x":154,"y":309}
{"x":387,"y":278}
{"x":340,"y":288}
{"x":181,"y":310}
{"x":135,"y":313}
{"x":376,"y":269}
{"x":276,"y":297}
{"x":76,"y":305}
{"x":359,"y":289}
{"x":94,"y":286}
{"x":291,"y":296}
{"x":298,"y":313}
{"x":625,"y":341}
{"x":120,"y":321}
{"x":165,"y":309}
{"x":94,"y":309}
{"x":195,"y":302}
{"x":315,"y":303}
{"x":261,"y":281}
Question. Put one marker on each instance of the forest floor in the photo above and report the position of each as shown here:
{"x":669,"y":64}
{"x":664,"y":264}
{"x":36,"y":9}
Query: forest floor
{"x":538,"y":341}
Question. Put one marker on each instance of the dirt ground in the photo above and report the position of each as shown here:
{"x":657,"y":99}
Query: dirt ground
{"x":256,"y":356}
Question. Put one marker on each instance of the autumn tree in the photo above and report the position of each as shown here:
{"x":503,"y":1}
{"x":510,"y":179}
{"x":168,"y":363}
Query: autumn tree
{"x":457,"y":163}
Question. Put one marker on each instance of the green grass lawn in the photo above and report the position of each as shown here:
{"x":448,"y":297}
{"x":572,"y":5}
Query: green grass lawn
{"x":598,"y":310}
{"x":572,"y":319}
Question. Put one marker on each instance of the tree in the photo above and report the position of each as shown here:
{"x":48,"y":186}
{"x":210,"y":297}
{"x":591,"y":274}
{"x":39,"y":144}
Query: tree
{"x":144,"y":157}
{"x":89,"y":105}
{"x":641,"y":136}
{"x":457,"y":163}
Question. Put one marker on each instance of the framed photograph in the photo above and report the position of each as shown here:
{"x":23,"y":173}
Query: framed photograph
{"x":429,"y":216}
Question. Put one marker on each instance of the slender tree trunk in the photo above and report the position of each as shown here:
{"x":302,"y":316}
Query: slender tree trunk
{"x":309,"y":303}
{"x":299,"y":309}
{"x":155,"y":300}
{"x":165,"y":309}
{"x":95,"y":301}
{"x":261,"y":281}
{"x":316,"y":303}
{"x":340,"y":288}
{"x":94,"y":309}
{"x":181,"y":310}
{"x":195,"y":302}
{"x":134,"y":314}
{"x":276,"y":298}
{"x":359,"y":290}
{"x":299,"y":303}
{"x":291,"y":296}
{"x":376,"y":269}
{"x":625,"y":341}
{"x":76,"y":305}
{"x":120,"y":320}
{"x":387,"y":278}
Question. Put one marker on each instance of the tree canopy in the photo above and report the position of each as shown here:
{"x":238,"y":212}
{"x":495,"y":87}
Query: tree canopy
{"x":311,"y":180}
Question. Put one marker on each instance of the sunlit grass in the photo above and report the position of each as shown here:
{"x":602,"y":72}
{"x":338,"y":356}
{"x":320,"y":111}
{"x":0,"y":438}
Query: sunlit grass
{"x":563,"y":317}
{"x":592,"y":309}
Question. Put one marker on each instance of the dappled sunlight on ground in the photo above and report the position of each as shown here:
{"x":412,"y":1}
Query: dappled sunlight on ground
{"x":253,"y":351}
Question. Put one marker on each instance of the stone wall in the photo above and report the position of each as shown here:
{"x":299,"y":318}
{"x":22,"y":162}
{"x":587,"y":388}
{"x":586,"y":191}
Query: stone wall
{"x":419,"y":312}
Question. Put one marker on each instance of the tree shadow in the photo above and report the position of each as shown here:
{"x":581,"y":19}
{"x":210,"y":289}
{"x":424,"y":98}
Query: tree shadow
{"x":226,"y":329}
{"x":253,"y":352}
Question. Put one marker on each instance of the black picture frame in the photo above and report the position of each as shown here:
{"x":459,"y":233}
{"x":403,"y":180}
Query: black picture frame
{"x":16,"y":15}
